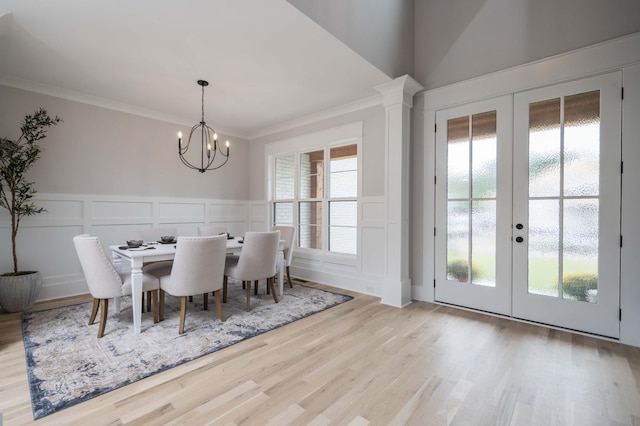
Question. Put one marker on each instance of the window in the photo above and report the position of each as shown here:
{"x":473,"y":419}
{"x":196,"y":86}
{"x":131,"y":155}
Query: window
{"x":318,"y":191}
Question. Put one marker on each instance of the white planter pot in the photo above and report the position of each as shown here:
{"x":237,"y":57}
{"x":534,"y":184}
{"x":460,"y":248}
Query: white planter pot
{"x":18,"y":293}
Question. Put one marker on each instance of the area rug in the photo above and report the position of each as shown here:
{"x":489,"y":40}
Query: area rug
{"x":67,"y":363}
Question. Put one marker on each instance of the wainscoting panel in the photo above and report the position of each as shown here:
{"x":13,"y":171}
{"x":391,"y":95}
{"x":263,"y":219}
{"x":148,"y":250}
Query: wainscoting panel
{"x":45,"y":241}
{"x":181,"y":210}
{"x":122,"y":209}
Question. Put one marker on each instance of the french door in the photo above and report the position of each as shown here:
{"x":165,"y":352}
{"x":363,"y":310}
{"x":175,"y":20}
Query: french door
{"x":550,"y":252}
{"x":473,"y":200}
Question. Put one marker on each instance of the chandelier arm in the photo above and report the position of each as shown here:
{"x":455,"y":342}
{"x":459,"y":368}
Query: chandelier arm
{"x":207,"y":134}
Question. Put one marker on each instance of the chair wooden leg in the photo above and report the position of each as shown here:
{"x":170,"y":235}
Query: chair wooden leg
{"x":248,"y":287}
{"x":190,"y":298}
{"x":154,"y":305}
{"x":268,"y":289}
{"x":161,"y":305}
{"x":149,"y":301}
{"x":255,"y":290}
{"x":103,"y":316}
{"x":205,"y":301}
{"x":183,"y":313}
{"x":224,"y":289}
{"x":94,"y":310}
{"x":289,"y":278}
{"x":273,"y":290}
{"x":216,"y":295}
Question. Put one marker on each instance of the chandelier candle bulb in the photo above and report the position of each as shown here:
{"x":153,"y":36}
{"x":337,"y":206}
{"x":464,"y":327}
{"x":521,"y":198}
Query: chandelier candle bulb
{"x":179,"y":141}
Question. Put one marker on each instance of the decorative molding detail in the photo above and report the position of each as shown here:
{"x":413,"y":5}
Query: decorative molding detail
{"x":58,"y":92}
{"x":318,"y":116}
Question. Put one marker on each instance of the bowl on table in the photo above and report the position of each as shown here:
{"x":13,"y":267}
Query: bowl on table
{"x":134,"y":243}
{"x":167,"y":238}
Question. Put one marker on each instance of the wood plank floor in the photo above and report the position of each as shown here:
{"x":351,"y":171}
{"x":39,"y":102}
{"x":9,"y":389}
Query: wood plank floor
{"x":365,"y":363}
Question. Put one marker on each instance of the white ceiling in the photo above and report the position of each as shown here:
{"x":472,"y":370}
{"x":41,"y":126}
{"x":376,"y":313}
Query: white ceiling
{"x":266,"y":62}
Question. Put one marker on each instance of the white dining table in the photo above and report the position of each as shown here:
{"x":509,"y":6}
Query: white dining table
{"x":156,"y":252}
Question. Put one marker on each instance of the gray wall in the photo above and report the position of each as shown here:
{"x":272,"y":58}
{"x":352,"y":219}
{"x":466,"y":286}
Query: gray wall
{"x":459,"y":39}
{"x":381,"y":31}
{"x":101,"y":151}
{"x":373,"y":159}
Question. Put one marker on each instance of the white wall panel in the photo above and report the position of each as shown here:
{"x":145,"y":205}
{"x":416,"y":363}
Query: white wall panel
{"x":45,"y":241}
{"x":180,"y":210}
{"x":121,"y":209}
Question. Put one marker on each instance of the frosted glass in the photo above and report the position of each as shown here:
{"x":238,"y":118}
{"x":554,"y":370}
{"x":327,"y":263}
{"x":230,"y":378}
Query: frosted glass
{"x":458,"y":158}
{"x":458,"y":241}
{"x":483,"y":243}
{"x":544,"y":148}
{"x":580,"y":249}
{"x":484,"y":154}
{"x":544,"y":247}
{"x":582,"y":144}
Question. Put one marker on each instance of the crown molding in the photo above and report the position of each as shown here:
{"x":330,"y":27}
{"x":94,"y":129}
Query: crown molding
{"x":57,"y":92}
{"x":369,"y":102}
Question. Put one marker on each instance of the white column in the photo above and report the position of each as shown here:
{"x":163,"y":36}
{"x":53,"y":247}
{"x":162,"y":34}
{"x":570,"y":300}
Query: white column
{"x":397,"y":100}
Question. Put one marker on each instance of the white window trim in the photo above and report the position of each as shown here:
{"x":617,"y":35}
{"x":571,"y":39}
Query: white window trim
{"x":321,"y":140}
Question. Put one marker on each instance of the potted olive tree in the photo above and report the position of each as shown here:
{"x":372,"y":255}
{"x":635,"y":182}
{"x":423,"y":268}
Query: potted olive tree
{"x":19,"y":289}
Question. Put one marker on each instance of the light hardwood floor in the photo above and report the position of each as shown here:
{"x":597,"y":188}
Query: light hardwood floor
{"x":365,"y":363}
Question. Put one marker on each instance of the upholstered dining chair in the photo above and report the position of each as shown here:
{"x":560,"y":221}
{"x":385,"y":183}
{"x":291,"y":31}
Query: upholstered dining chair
{"x":204,"y":231}
{"x":256,"y":261}
{"x":105,"y":281}
{"x":150,"y":235}
{"x":288,"y":234}
{"x":198,"y":268}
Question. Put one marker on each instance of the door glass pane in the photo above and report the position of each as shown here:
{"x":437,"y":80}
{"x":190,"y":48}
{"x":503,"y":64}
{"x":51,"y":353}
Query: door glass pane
{"x":580,"y":254}
{"x":458,"y":241}
{"x":544,"y":247}
{"x":483,"y":247}
{"x":471,"y":235}
{"x":582,"y":144}
{"x":484,"y":152}
{"x":544,"y":148}
{"x":312,"y":174}
{"x":458,"y":157}
{"x":310,"y":228}
{"x":564,"y":175}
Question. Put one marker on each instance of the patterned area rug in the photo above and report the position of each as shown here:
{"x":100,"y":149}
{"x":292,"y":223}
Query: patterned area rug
{"x":67,"y":363}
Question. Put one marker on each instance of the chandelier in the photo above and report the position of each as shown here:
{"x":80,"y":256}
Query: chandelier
{"x":208,"y":144}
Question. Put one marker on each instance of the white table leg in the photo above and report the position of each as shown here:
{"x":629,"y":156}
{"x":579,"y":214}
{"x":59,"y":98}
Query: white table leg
{"x":136,"y":293}
{"x":280,"y":272}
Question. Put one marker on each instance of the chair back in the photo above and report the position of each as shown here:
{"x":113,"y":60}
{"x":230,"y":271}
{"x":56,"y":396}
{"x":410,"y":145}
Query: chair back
{"x":198,"y":266}
{"x":288,"y":234}
{"x":103,"y":280}
{"x":204,"y":231}
{"x":258,"y":256}
{"x":154,"y":234}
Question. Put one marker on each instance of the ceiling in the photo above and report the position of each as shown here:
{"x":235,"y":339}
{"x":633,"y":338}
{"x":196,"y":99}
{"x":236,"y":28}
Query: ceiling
{"x":266,"y":62}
